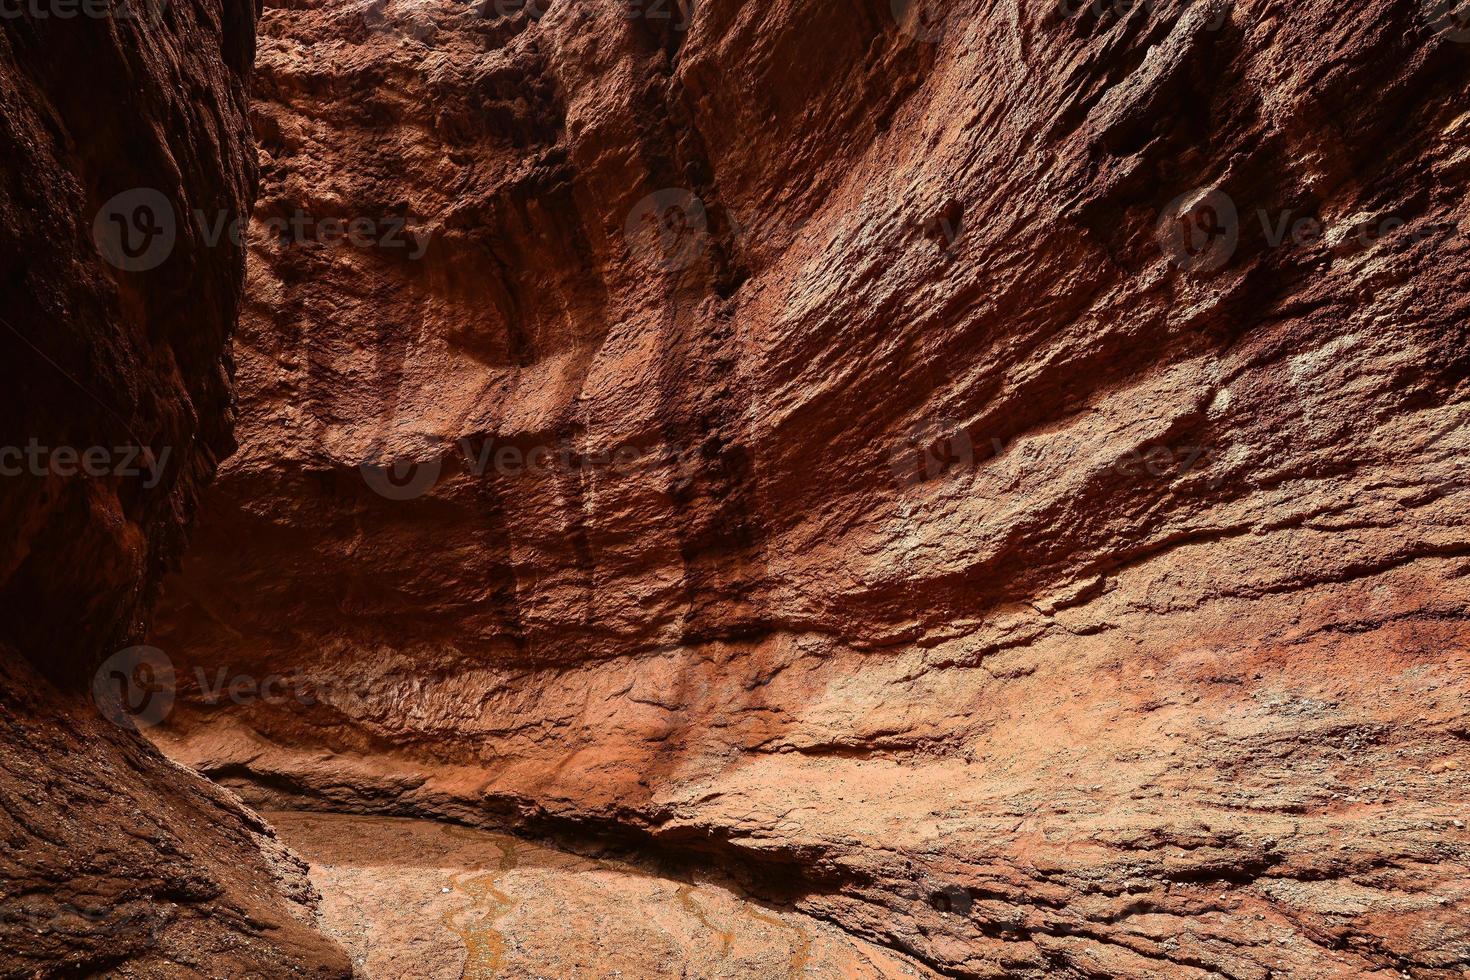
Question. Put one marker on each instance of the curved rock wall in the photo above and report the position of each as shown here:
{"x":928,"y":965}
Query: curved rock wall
{"x":995,"y":469}
{"x":120,"y":122}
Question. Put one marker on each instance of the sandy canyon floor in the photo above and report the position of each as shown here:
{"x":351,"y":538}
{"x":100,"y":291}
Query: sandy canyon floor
{"x":417,"y":898}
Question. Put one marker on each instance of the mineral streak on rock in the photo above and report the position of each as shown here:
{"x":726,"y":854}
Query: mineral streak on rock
{"x":996,"y":470}
{"x":118,"y":124}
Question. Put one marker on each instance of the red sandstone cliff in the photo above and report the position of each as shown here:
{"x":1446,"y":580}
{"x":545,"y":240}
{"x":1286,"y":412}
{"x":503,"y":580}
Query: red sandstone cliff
{"x":114,"y":321}
{"x":998,"y":475}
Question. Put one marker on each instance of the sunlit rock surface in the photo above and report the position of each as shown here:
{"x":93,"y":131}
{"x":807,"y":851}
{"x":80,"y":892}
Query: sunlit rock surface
{"x":996,"y":473}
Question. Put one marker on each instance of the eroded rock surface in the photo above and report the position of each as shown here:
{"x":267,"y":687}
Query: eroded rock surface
{"x":996,"y":473}
{"x":116,"y":410}
{"x":414,"y":898}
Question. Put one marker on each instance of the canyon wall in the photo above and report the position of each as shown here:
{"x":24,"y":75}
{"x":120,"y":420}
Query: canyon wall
{"x":120,"y":122}
{"x":993,"y":473}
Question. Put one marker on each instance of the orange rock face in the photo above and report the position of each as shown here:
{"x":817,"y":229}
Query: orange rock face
{"x":993,"y":472}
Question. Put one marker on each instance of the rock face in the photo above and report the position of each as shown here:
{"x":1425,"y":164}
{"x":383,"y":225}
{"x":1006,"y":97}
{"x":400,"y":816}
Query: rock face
{"x":993,"y":472}
{"x":119,"y":122}
{"x":420,"y":898}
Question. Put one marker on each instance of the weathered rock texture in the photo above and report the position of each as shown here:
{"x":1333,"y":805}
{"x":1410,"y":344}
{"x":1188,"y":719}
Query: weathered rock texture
{"x":437,"y":901}
{"x":113,"y":857}
{"x":1015,"y":585}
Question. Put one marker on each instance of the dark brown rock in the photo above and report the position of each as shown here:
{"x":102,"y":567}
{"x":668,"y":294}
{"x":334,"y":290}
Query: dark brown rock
{"x":116,"y":412}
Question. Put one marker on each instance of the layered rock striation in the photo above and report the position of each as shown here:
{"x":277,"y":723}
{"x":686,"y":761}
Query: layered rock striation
{"x":991,"y":473}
